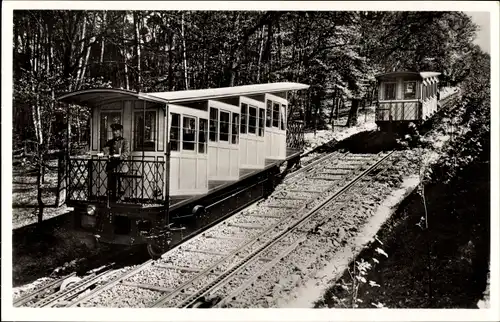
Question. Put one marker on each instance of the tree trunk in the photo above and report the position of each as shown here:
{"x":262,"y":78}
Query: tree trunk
{"x":269,"y":58}
{"x":138,"y":50}
{"x":84,"y":67}
{"x":39,"y":193}
{"x":260,"y":54}
{"x":39,"y":175}
{"x":352,"y":120}
{"x":333,"y":106}
{"x":125,"y":53}
{"x":103,"y":26}
{"x":186,"y":82}
{"x":80,"y":60}
{"x":170,"y":57}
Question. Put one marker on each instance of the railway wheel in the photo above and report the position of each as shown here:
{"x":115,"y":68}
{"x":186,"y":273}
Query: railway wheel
{"x":155,"y":251}
{"x":70,"y":280}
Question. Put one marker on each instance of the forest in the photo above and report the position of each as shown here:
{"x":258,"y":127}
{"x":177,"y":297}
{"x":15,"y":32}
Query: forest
{"x":336,"y":52}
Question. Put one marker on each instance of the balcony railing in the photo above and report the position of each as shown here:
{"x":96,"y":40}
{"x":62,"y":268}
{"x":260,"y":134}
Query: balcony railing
{"x":295,"y":135}
{"x":134,"y":181}
{"x":400,"y":110}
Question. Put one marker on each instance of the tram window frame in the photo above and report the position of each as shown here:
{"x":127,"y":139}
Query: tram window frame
{"x":106,"y":134}
{"x":410,"y":95}
{"x":224,"y":136}
{"x":235,"y":120}
{"x":244,"y":118}
{"x":175,"y":142}
{"x":252,"y":129}
{"x":213,"y":125}
{"x":276,"y":120}
{"x":269,"y":113}
{"x":138,"y":133}
{"x":202,"y":135}
{"x":283,"y":117}
{"x":190,"y":143}
{"x":386,"y":91}
{"x":262,"y":115}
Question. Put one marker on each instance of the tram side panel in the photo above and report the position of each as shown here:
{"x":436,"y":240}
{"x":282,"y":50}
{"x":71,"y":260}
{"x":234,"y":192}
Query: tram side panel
{"x":252,"y":134}
{"x":189,"y":154}
{"x":275,"y":133}
{"x":223,"y":145}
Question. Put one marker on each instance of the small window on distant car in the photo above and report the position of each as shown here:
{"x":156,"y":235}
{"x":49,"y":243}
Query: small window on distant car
{"x":410,"y":90}
{"x":390,"y":91}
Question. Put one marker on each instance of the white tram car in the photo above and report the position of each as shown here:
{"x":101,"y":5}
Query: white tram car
{"x":206,"y":140}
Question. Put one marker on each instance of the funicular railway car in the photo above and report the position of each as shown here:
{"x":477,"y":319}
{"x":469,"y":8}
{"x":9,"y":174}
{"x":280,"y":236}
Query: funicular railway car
{"x":406,"y":97}
{"x":160,"y":161}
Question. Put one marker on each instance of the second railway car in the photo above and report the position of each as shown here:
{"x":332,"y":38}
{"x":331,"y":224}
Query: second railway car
{"x":176,"y":155}
{"x":406,"y":97}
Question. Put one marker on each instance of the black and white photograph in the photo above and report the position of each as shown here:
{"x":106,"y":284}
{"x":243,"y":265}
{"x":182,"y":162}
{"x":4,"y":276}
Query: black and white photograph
{"x":303,"y":161}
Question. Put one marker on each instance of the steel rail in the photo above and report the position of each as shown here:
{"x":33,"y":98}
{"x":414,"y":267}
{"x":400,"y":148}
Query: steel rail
{"x":234,"y":252}
{"x":225,"y":276}
{"x":203,"y":273}
{"x":52,"y":285}
{"x":273,"y":261}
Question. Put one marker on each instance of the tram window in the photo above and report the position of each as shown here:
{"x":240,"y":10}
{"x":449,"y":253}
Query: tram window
{"x":224,"y":126}
{"x":390,"y":91}
{"x":214,"y":124}
{"x":252,"y":119}
{"x":145,"y":131}
{"x":244,"y":117}
{"x":235,"y":125}
{"x":188,"y":133}
{"x":261,"y":121}
{"x":410,"y":90}
{"x":202,"y":136}
{"x":269,"y":113}
{"x":175,"y":132}
{"x":276,"y":114}
{"x":283,"y":109}
{"x":108,"y":118}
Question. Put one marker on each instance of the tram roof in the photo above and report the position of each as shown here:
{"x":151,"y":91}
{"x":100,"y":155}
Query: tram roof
{"x":421,"y":75}
{"x":98,"y":96}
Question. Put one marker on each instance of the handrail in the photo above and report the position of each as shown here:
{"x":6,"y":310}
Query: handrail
{"x":400,"y":101}
{"x":89,"y":177}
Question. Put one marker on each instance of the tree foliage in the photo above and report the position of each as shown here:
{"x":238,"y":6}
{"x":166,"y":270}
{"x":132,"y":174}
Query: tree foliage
{"x":337,"y":53}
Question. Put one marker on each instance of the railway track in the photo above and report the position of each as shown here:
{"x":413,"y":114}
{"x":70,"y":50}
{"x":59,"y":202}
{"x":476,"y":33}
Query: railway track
{"x":224,"y":252}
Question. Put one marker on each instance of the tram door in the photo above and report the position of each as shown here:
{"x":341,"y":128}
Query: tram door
{"x":275,"y":135}
{"x":223,"y":143}
{"x":188,"y":151}
{"x":252,"y":143}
